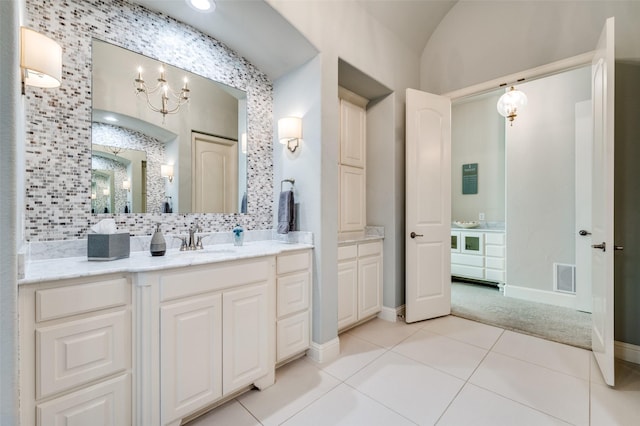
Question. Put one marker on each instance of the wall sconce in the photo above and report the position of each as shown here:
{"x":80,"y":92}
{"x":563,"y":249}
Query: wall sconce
{"x":509,"y":103}
{"x":40,"y":60}
{"x":105,"y":191}
{"x":166,"y":171}
{"x":126,"y":184}
{"x":290,"y":132}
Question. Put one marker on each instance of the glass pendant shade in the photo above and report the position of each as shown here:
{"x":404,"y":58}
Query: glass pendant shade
{"x":511,"y":103}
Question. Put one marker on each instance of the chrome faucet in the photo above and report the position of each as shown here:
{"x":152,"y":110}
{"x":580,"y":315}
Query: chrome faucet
{"x":195,"y":242}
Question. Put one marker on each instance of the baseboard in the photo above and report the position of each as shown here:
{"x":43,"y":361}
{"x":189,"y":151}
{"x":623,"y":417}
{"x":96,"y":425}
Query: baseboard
{"x":627,"y":352}
{"x":324,"y":352}
{"x":391,"y":314}
{"x":541,"y":296}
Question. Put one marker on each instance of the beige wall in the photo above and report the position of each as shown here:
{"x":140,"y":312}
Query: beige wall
{"x":478,"y":41}
{"x":477,"y":136}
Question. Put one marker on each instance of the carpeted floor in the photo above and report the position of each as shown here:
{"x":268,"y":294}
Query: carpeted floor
{"x":487,"y":305}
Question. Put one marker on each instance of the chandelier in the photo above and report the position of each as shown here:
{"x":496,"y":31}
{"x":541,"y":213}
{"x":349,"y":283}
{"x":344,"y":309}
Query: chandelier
{"x":510,"y":103}
{"x":170,"y":100}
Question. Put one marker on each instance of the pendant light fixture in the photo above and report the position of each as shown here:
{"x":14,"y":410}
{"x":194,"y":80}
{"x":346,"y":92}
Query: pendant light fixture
{"x":511,"y":103}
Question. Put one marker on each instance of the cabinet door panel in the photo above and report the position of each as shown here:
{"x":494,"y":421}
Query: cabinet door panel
{"x":369,"y":286}
{"x":293,"y":335}
{"x":352,"y":199}
{"x":190,"y":357}
{"x":293,"y":262}
{"x":293,"y":293}
{"x":106,"y":404}
{"x":352,"y":134}
{"x":246,"y":336}
{"x":77,"y":352}
{"x":347,"y":293}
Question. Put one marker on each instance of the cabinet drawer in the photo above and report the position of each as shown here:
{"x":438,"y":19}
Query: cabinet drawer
{"x":467,"y":259}
{"x":292,"y":335}
{"x":467,"y":271}
{"x":494,"y":251}
{"x":107,"y":403}
{"x":77,"y":352}
{"x":347,"y":252}
{"x":293,"y":262}
{"x":369,"y":249}
{"x":72,"y":300}
{"x":494,"y":275}
{"x":192,"y":281}
{"x":494,"y":238}
{"x":293,"y":293}
{"x":494,"y":263}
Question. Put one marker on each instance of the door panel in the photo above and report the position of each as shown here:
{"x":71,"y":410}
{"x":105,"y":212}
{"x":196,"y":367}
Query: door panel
{"x":214,"y":174}
{"x":602,"y":202}
{"x":428,"y":206}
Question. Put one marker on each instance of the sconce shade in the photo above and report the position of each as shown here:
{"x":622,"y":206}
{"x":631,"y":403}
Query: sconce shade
{"x":290,"y":132}
{"x":510,"y":103}
{"x":126,"y":184}
{"x":243,"y":143}
{"x":166,"y":170}
{"x":40,"y":59}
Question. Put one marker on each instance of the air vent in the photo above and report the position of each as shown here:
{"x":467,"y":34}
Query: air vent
{"x":564,"y":278}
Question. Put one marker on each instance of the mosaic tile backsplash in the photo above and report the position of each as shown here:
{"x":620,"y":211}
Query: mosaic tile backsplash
{"x":58,"y":121}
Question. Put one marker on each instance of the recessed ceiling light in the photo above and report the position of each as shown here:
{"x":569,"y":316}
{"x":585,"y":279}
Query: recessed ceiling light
{"x":110,"y":118}
{"x":202,"y":5}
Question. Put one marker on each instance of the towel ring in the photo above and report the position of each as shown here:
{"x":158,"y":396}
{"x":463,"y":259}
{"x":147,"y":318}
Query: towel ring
{"x":291,"y":181}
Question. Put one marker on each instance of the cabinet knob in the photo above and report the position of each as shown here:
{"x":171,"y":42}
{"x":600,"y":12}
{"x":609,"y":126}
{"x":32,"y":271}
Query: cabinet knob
{"x":584,"y":233}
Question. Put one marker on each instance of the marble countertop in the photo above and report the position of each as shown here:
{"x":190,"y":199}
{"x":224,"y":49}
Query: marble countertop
{"x":362,"y":239}
{"x":142,"y":261}
{"x":478,"y":229}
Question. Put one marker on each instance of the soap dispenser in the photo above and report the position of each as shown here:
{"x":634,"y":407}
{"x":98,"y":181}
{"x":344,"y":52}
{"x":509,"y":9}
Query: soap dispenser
{"x":238,"y":235}
{"x":158,"y":245}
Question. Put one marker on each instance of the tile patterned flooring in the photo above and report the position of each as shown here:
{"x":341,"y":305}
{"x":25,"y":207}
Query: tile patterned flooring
{"x":446,"y":371}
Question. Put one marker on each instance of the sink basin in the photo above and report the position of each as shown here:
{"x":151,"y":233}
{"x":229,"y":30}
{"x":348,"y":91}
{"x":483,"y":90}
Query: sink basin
{"x":466,"y":225}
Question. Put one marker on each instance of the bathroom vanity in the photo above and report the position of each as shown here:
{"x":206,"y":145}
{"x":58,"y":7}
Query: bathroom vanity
{"x":152,"y":341}
{"x":478,"y":254}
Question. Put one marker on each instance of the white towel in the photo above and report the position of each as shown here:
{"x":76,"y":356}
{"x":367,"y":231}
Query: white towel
{"x":286,"y":212}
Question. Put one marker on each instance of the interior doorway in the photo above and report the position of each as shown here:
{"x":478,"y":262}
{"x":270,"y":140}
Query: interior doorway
{"x":527,"y":185}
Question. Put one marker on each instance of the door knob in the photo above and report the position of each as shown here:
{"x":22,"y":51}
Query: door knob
{"x":602,"y":246}
{"x":584,"y":233}
{"x":413,"y":235}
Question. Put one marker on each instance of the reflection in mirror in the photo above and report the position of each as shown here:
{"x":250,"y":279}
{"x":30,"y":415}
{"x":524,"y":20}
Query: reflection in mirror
{"x":204,"y":140}
{"x":124,"y":172}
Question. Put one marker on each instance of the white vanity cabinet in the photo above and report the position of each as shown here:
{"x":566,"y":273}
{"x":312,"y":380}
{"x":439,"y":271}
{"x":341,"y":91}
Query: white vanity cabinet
{"x":359,"y":282}
{"x":352,"y":164}
{"x":75,"y":352}
{"x":478,"y":255}
{"x":216,"y":333}
{"x":293,"y":327}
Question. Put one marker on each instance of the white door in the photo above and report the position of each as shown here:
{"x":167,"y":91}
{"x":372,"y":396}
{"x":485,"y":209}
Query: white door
{"x":215,"y":174}
{"x":602,"y":202}
{"x":428,"y":206}
{"x":584,"y":163}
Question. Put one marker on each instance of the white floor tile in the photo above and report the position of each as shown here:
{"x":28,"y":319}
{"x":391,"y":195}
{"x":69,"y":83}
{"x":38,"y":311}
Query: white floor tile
{"x":416,"y":391}
{"x":451,"y":356}
{"x":556,"y":356}
{"x":557,"y":394}
{"x":596,"y":374}
{"x":355,"y":353}
{"x":231,"y":413}
{"x":384,"y":333}
{"x":346,"y":406}
{"x":619,"y":405}
{"x":474,"y":333}
{"x":297,"y":385}
{"x":478,"y":407}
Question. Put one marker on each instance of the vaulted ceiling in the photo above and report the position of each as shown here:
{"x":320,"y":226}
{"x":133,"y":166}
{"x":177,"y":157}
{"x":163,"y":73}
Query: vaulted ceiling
{"x":242,"y":24}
